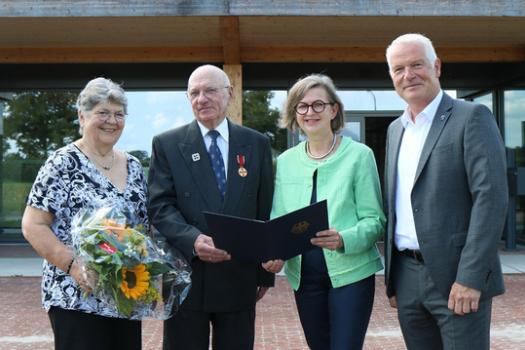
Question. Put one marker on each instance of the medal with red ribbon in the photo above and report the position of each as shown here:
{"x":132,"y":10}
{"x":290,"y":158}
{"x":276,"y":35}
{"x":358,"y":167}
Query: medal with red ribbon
{"x":242,"y":170}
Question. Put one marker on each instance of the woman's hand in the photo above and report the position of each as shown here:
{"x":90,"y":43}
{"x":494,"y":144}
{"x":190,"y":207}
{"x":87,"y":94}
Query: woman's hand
{"x":273,"y":266}
{"x":329,"y":239}
{"x":80,"y":274}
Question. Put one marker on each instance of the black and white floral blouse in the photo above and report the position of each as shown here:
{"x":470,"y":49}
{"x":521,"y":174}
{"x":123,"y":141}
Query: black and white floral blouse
{"x":67,"y":182}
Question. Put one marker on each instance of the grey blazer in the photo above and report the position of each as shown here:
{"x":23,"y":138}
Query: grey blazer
{"x":459,"y":198}
{"x":182,"y":185}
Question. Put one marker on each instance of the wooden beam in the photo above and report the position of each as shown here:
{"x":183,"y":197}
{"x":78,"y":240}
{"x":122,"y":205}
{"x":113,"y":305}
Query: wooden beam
{"x":376,"y":54}
{"x":234,"y":72}
{"x":111,"y":55}
{"x":481,"y":54}
{"x":231,"y":39}
{"x":233,"y":54}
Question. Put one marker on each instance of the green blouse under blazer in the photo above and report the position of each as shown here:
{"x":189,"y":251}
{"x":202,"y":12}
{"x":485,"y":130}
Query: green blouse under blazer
{"x":348,"y":180}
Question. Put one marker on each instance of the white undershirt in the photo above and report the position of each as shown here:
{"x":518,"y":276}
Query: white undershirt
{"x":410,"y":149}
{"x":222,"y":140}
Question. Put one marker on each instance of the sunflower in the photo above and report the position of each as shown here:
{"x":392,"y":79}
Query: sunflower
{"x":135,"y":281}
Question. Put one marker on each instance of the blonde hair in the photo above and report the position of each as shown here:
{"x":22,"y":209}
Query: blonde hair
{"x":299,"y":89}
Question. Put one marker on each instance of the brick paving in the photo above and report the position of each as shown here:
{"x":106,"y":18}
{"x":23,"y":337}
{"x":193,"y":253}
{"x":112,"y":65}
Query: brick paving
{"x":25,"y":325}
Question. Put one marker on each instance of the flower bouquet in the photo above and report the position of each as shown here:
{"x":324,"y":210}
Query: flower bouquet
{"x":127,"y":271}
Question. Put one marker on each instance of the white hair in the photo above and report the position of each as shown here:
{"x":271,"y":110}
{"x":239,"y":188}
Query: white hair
{"x":413,"y":38}
{"x":101,"y":90}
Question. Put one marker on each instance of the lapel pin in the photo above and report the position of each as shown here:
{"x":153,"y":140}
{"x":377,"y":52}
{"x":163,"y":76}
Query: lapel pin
{"x":195,"y":157}
{"x":442,"y":117}
{"x":242,"y":170}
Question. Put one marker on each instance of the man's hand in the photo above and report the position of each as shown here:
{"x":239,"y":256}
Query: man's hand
{"x":329,"y":239}
{"x":393,"y":302}
{"x":463,"y":300}
{"x":273,"y":266}
{"x":261,"y":291}
{"x":205,"y":249}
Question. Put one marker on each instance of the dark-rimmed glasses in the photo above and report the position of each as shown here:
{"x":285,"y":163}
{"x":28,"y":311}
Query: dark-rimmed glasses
{"x":317,"y":106}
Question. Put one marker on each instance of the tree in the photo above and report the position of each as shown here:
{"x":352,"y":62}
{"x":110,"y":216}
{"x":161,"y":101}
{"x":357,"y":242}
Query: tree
{"x":258,"y":115}
{"x":39,"y":122}
{"x":142,"y":156}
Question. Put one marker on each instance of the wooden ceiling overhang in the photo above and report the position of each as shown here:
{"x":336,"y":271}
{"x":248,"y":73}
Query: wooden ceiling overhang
{"x":252,"y":39}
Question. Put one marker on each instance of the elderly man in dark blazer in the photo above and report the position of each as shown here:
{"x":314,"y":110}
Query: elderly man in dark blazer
{"x":214,"y":165}
{"x":446,"y":199}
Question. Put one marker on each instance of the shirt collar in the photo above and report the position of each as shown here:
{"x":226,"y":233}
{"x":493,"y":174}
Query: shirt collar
{"x":222,"y":128}
{"x":426,"y":114}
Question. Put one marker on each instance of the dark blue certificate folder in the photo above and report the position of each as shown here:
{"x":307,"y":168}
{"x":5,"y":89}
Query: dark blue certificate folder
{"x":280,"y":238}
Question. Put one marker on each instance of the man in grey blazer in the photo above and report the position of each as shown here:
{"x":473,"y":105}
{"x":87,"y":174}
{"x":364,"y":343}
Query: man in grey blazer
{"x":214,"y":165}
{"x":446,"y":199}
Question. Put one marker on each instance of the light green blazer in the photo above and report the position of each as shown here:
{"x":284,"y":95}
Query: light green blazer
{"x":348,"y":180}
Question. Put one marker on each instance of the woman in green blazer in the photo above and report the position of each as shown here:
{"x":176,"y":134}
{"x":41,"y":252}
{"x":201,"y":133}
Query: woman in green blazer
{"x":334,"y":281}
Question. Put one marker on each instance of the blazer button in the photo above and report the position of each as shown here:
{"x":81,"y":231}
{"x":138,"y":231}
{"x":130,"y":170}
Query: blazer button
{"x":416,"y":210}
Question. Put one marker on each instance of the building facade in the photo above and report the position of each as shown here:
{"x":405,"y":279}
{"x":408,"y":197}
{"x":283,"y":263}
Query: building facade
{"x":49,"y":49}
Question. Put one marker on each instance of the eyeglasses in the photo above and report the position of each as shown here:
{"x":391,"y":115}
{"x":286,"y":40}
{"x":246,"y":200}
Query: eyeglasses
{"x":317,"y":106}
{"x":105,"y":115}
{"x":208,"y":92}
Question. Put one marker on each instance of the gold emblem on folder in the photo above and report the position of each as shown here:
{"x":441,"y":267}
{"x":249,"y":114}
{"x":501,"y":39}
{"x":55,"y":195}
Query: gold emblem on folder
{"x":300,"y":227}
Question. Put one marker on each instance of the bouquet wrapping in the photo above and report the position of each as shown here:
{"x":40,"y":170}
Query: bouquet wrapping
{"x":129,"y":272}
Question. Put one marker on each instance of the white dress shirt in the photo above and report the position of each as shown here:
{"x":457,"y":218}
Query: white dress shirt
{"x":222,"y":140}
{"x":410,"y":149}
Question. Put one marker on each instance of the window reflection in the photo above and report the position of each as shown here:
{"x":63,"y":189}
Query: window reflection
{"x":485,"y":100}
{"x":35,"y":123}
{"x":514,"y":107}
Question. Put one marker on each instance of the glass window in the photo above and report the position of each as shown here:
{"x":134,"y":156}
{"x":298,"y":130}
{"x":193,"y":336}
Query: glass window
{"x":35,"y":123}
{"x":261,"y":111}
{"x":368,"y":100}
{"x":515,"y":122}
{"x":485,"y":100}
{"x":514,"y":106}
{"x":150,"y":113}
{"x":375,"y":100}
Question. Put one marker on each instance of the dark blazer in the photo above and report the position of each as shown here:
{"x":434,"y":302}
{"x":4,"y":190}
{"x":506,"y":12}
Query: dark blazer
{"x":459,"y":198}
{"x":182,"y":185}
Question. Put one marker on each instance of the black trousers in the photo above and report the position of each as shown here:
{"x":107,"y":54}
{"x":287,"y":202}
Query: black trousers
{"x":190,"y":329}
{"x":75,"y":330}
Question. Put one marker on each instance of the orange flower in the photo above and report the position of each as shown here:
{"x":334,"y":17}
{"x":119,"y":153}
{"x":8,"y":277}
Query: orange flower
{"x":117,"y":229}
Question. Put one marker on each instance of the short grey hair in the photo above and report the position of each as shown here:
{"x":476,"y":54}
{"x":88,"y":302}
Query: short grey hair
{"x":299,"y":89}
{"x":413,"y":38}
{"x":101,"y":90}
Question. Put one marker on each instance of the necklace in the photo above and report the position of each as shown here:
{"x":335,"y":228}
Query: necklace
{"x":108,"y":168}
{"x":334,"y":141}
{"x":105,"y":167}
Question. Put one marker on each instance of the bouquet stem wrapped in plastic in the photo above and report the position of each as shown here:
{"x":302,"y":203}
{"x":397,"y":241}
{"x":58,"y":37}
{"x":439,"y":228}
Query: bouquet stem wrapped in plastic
{"x":128,"y":271}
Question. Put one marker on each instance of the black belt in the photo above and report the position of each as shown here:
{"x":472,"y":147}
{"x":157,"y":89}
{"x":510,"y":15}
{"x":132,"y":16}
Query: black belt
{"x":414,"y":254}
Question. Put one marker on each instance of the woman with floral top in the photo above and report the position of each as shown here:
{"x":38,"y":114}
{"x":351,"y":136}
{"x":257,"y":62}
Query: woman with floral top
{"x":85,"y":172}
